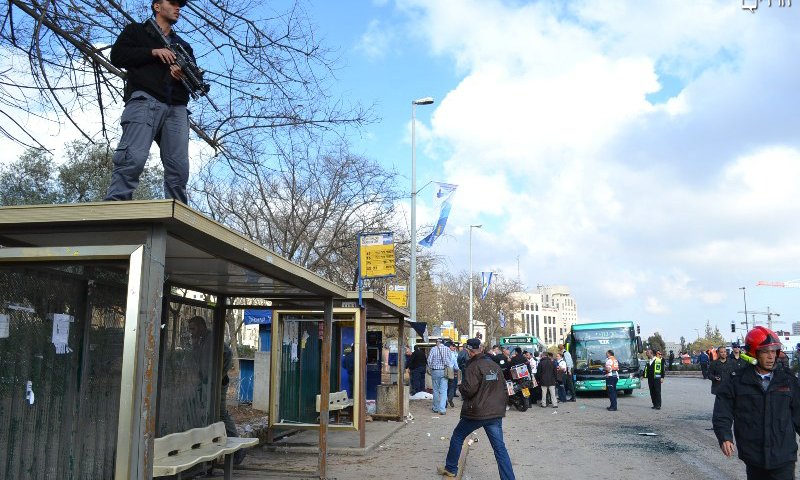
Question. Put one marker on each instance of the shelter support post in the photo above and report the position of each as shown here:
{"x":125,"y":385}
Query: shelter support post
{"x":362,"y":416}
{"x":218,"y":329}
{"x":325,"y":387}
{"x":139,"y":378}
{"x":401,"y":366}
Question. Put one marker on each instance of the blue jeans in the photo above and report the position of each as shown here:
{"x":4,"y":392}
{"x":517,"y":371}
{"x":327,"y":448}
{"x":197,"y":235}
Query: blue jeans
{"x":143,"y":121}
{"x":439,"y":384}
{"x":562,"y":393}
{"x":494,"y":430}
{"x":611,"y":386}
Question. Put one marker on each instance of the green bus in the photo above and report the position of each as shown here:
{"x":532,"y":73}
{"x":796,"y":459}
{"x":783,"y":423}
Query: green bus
{"x":588,"y":344}
{"x":523,"y":340}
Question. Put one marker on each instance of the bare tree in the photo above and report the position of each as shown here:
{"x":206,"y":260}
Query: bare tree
{"x":268,"y":71}
{"x":309,"y":208}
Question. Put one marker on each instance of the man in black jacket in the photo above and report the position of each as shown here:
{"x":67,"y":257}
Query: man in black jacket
{"x":155,"y":105}
{"x":484,"y":395}
{"x":546,"y":376}
{"x":416,"y":367}
{"x":721,"y":369}
{"x":762,"y":403}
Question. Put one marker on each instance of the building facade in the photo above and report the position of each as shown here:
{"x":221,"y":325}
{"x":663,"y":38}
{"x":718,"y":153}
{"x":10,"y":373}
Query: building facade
{"x":547,"y":313}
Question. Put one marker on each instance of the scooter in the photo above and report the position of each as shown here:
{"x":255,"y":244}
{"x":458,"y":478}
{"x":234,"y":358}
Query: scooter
{"x":519,"y":388}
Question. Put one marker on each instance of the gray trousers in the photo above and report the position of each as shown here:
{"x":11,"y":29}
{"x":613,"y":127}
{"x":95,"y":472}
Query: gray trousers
{"x":144,"y":120}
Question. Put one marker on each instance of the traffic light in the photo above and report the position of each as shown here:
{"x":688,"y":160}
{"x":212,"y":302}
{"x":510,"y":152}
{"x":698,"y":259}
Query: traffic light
{"x":733,"y":327}
{"x":638,"y":330}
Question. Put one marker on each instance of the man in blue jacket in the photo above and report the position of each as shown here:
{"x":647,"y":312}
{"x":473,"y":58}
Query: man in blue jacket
{"x":484,"y":395}
{"x":762,"y":402}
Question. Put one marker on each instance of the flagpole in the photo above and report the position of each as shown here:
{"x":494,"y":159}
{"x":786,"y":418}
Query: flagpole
{"x":413,"y":271}
{"x":471,"y":325}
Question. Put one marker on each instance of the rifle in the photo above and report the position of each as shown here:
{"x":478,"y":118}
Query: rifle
{"x":192,"y":74}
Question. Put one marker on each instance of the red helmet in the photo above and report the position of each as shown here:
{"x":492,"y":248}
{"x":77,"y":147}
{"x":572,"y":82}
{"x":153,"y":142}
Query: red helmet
{"x":761,"y":338}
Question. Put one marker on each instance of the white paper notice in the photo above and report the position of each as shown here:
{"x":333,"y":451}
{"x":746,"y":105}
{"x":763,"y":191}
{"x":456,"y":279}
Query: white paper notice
{"x":29,"y":392}
{"x":61,"y":332}
{"x":3,"y":326}
{"x":294,"y":351}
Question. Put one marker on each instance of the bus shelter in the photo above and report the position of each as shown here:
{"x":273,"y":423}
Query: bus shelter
{"x":357,"y":350}
{"x":112,"y":321}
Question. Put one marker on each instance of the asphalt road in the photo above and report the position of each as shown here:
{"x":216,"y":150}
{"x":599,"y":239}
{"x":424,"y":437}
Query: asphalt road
{"x":577,"y":440}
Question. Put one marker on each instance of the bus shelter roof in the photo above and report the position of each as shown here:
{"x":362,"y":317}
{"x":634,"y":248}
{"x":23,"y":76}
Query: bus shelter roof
{"x":201,"y":254}
{"x":380,"y":311}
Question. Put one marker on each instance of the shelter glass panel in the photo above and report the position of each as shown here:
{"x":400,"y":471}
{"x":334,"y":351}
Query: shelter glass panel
{"x":187,"y":379}
{"x":61,"y":343}
{"x":297,"y":359}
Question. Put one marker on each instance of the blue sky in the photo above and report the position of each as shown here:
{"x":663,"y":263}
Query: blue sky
{"x":643,"y":153}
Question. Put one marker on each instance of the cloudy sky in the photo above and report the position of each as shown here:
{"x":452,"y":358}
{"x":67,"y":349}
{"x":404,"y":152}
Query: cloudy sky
{"x":643,"y":153}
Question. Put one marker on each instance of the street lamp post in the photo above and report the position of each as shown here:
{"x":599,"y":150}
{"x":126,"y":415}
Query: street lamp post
{"x":471,"y":325}
{"x":413,"y":272}
{"x":744,"y":296}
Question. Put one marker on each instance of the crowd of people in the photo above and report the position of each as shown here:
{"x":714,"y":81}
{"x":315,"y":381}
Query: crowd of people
{"x":757,"y":396}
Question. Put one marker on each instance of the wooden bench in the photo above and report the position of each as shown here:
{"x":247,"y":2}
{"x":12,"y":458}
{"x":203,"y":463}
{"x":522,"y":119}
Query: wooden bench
{"x":337,"y":401}
{"x":178,"y":452}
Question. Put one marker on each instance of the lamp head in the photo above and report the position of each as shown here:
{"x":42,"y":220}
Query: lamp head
{"x":423,"y":101}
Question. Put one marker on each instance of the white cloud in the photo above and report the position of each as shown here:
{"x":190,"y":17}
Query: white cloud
{"x":652,"y":305}
{"x":376,"y":40}
{"x":559,"y":153}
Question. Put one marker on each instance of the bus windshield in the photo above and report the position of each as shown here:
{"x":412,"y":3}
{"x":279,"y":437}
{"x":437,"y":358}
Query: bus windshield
{"x":591,"y":347}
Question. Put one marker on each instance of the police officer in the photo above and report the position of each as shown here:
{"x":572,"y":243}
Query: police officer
{"x":762,"y":403}
{"x":736,"y":358}
{"x":611,"y":369}
{"x":654,"y":372}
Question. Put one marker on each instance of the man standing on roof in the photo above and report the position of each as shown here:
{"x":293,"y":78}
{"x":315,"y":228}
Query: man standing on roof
{"x":762,"y":403}
{"x":155,"y":105}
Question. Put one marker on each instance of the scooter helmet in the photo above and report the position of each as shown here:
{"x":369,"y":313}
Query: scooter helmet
{"x":761,"y":338}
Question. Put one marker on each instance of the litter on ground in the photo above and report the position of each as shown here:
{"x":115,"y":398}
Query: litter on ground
{"x":421,"y":396}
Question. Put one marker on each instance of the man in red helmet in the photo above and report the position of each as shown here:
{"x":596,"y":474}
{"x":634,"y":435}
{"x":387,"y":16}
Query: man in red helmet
{"x":762,"y":402}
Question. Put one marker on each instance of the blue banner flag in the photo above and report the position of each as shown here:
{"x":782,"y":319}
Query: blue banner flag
{"x":486,"y":280}
{"x":444,"y":193}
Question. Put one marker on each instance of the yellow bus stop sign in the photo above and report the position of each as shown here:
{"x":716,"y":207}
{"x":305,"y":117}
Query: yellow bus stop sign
{"x":376,"y":255}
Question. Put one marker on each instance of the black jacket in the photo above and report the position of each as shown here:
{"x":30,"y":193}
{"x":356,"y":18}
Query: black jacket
{"x":133,"y":52}
{"x":720,"y":372}
{"x":546,"y":372}
{"x":483,"y":389}
{"x":418,"y":359}
{"x":764,"y":423}
{"x":739,"y":363}
{"x":650,"y":370}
